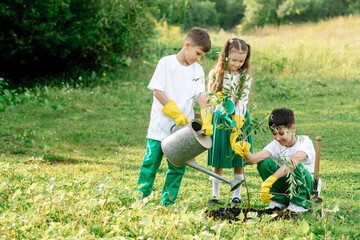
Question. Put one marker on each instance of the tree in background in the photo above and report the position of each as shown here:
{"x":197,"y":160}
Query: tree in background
{"x":309,"y":10}
{"x":231,"y":12}
{"x":51,"y":37}
{"x":172,"y":11}
{"x":67,"y":37}
{"x":225,"y":14}
{"x":201,"y":14}
{"x":263,"y":12}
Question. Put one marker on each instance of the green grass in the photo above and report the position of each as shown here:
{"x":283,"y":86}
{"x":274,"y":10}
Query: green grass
{"x":70,"y":156}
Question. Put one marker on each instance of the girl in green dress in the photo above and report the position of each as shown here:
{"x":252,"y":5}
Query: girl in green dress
{"x":232,"y":63}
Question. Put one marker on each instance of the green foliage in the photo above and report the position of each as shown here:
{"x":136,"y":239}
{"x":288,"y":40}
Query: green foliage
{"x":171,"y":11}
{"x":203,"y":13}
{"x":227,"y":14}
{"x":354,"y":7}
{"x":39,"y":38}
{"x":231,"y":13}
{"x":309,"y":10}
{"x":200,"y":13}
{"x":261,"y":12}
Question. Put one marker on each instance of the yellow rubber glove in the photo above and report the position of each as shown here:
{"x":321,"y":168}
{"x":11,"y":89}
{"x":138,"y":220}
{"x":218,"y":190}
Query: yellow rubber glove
{"x":206,"y":119}
{"x":239,"y":123}
{"x":173,"y":111}
{"x":233,"y":137}
{"x":265,"y":189}
{"x":241,"y":148}
{"x":215,"y":100}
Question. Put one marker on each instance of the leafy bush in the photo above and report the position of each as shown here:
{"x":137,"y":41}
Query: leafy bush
{"x":200,"y":13}
{"x":172,"y":12}
{"x":205,"y":13}
{"x":354,"y":7}
{"x":231,"y":12}
{"x":262,"y":12}
{"x":43,"y":37}
{"x":308,"y":10}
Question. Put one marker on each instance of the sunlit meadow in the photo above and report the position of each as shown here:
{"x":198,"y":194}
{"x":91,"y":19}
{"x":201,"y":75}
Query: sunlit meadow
{"x":70,"y":155}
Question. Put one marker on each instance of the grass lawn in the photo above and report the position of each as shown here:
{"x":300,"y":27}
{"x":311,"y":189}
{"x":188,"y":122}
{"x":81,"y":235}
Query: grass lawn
{"x":70,"y":156}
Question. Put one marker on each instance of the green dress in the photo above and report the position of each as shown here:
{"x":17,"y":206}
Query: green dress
{"x":220,"y":155}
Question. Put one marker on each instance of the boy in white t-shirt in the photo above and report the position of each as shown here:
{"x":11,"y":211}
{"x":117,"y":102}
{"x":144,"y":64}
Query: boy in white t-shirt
{"x":286,"y":146}
{"x":175,"y":82}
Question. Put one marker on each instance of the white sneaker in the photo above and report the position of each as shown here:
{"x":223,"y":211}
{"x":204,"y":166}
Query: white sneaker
{"x":274,"y":205}
{"x":296,"y":208}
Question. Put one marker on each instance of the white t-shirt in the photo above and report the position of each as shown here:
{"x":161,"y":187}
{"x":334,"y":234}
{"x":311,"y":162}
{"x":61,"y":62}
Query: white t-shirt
{"x":232,"y":80}
{"x":303,"y":143}
{"x":182,"y":84}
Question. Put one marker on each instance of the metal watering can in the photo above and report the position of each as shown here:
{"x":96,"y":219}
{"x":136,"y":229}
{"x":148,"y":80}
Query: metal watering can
{"x":182,"y":146}
{"x":224,"y":111}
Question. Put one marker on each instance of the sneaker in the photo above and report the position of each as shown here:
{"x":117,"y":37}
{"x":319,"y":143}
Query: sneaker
{"x":235,"y":202}
{"x":274,"y":205}
{"x":178,"y":210}
{"x":296,"y":208}
{"x":213,"y":202}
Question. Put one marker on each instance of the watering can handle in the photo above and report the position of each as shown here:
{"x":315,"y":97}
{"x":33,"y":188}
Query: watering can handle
{"x":198,"y":132}
{"x":171,"y":129}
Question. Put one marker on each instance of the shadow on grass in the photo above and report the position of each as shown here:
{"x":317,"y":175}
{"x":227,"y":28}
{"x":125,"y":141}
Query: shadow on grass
{"x":55,"y":159}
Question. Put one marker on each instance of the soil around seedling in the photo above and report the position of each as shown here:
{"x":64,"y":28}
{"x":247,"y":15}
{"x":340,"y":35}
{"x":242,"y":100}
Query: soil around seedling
{"x":232,"y":214}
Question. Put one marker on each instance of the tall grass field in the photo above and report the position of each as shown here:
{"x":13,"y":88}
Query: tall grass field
{"x":71,"y":154}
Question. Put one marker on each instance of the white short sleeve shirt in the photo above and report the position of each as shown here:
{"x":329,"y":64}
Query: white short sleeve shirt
{"x":182,"y":84}
{"x":303,"y":143}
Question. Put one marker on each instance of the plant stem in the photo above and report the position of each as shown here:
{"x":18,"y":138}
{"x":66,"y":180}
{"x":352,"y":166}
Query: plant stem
{"x":247,"y":192}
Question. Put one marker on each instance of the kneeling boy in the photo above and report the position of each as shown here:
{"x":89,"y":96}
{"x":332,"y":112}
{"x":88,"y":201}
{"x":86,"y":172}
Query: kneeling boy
{"x":286,"y":146}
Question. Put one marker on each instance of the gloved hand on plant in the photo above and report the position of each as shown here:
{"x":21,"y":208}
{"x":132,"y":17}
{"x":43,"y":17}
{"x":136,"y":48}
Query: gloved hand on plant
{"x":265,"y":189}
{"x":241,"y":148}
{"x":207,"y":118}
{"x":216,"y":98}
{"x":173,"y":111}
{"x":220,"y":95}
{"x":239,"y":123}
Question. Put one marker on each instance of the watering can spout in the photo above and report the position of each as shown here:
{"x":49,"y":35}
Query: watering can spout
{"x":223,"y":111}
{"x":233,"y":184}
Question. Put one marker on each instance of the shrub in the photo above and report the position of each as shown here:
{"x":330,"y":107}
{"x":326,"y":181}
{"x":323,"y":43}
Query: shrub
{"x":308,"y":10}
{"x":354,"y":7}
{"x":231,"y":12}
{"x":261,"y":12}
{"x":172,"y":12}
{"x":264,"y":12}
{"x":47,"y":37}
{"x":201,"y":14}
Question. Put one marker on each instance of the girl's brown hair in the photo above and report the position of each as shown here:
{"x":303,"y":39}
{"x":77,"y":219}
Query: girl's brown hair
{"x":221,"y":65}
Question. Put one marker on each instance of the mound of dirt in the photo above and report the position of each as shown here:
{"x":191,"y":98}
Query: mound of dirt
{"x":231,"y":214}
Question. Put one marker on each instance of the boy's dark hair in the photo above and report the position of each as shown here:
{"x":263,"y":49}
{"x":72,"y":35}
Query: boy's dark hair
{"x":281,"y":117}
{"x":199,"y":37}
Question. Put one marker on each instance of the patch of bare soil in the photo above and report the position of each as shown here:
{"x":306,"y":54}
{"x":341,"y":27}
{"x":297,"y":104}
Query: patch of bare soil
{"x":231,"y":214}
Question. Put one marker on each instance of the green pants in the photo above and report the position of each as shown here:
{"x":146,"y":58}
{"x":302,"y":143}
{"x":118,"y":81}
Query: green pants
{"x":151,"y":163}
{"x":303,"y":188}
